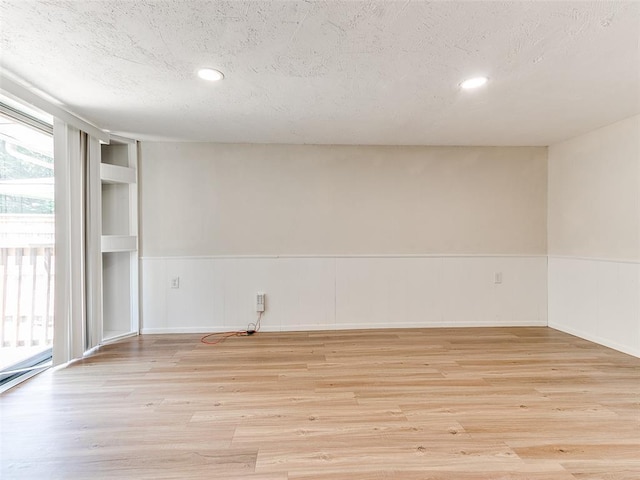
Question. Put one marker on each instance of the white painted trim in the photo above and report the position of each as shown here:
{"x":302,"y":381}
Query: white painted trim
{"x":24,"y":117}
{"x":345,"y":326}
{"x":22,"y":378}
{"x":118,"y":243}
{"x":119,"y":139}
{"x":391,"y":255}
{"x":94,"y":245}
{"x":199,"y":330}
{"x":91,"y":351}
{"x":596,"y":339}
{"x":595,"y":259}
{"x":35,"y":98}
{"x":116,"y":338}
{"x":117,"y":174}
{"x":134,"y":263}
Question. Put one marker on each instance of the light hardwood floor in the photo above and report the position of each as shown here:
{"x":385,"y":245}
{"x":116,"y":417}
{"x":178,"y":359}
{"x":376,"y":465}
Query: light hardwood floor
{"x":454,"y":404}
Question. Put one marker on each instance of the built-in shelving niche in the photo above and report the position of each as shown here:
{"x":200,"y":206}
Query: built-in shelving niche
{"x":117,"y":209}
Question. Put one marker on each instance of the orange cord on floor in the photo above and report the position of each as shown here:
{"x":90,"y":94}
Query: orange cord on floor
{"x":224,"y":336}
{"x":239,"y":333}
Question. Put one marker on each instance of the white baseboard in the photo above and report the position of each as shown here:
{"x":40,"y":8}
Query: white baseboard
{"x":354,"y":326}
{"x":169,"y":330}
{"x":596,"y":339}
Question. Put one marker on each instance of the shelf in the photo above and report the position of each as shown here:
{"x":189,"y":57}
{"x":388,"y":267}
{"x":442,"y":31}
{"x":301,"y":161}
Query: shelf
{"x":115,"y":225}
{"x":119,"y":243}
{"x":117,"y":174}
{"x":115,"y":154}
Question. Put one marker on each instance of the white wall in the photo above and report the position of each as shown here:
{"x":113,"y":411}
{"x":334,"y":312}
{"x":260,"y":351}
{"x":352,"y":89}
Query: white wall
{"x":594,"y":236}
{"x":341,"y":237}
{"x":594,"y":194}
{"x":218,"y":199}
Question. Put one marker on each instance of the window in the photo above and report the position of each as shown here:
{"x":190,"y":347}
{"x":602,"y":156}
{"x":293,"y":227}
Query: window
{"x":27,"y":228}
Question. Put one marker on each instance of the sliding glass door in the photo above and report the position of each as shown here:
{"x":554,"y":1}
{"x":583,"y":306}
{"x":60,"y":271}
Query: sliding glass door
{"x":27,"y":257}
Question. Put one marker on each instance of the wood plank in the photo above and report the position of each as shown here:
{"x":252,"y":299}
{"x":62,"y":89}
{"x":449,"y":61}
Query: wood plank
{"x":444,"y":404}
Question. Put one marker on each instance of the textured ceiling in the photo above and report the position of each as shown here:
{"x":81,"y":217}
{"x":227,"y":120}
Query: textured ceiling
{"x":337,"y":72}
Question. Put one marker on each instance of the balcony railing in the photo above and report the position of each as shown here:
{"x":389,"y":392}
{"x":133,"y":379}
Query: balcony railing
{"x":26,"y":302}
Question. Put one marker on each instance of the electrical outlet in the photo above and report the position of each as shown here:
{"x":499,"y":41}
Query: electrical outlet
{"x":260,"y":297}
{"x":175,"y":282}
{"x":497,"y":277}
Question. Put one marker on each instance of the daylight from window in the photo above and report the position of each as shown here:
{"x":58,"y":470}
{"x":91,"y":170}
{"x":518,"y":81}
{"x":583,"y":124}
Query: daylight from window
{"x":26,"y":244}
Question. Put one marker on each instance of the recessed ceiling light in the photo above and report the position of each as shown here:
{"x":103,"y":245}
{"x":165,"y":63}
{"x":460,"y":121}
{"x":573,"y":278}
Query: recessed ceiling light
{"x":474,"y":82}
{"x":210,"y":74}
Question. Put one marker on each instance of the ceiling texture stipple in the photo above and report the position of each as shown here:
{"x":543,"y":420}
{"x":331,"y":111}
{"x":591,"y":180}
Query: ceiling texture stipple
{"x":331,"y":72}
